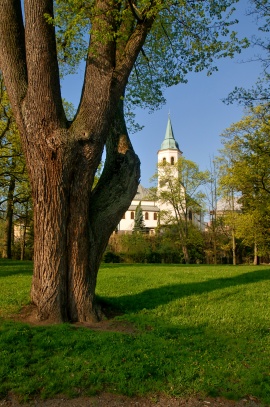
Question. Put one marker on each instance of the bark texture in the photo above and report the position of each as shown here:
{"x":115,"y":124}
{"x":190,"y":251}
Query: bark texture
{"x":72,"y":222}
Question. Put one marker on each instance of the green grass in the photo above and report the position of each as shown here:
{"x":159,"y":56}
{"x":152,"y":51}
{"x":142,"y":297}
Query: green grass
{"x":200,"y":330}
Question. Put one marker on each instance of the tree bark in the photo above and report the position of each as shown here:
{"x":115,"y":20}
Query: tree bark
{"x":73,"y":225}
{"x":256,"y":261}
{"x":234,"y":247}
{"x":7,"y":250}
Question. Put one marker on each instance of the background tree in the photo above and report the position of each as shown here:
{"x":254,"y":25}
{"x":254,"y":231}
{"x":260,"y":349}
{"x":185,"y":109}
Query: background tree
{"x":73,"y":221}
{"x":212,"y":198}
{"x":181,"y":198}
{"x":248,"y":142}
{"x":14,"y":186}
{"x":139,"y":225}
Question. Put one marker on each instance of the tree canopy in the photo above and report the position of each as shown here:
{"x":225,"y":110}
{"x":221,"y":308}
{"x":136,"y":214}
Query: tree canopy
{"x":185,"y":36}
{"x":246,"y":174}
{"x":260,"y":92}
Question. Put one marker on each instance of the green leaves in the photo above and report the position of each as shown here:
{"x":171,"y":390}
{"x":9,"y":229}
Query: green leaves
{"x":245,"y":172}
{"x":185,"y":36}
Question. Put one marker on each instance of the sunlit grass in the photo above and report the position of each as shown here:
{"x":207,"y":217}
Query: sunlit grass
{"x":15,"y":278}
{"x":200,"y":330}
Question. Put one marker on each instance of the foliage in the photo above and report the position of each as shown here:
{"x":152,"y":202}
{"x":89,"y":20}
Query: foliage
{"x":249,"y":143}
{"x":196,"y":330}
{"x":15,"y":195}
{"x":135,"y":247}
{"x":260,"y":92}
{"x":162,"y":247}
{"x":192,"y":36}
{"x":139,"y":225}
{"x":247,"y":173}
{"x":12,"y":161}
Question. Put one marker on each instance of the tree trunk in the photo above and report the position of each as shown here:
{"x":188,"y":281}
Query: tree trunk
{"x":186,"y":255}
{"x":7,"y":252}
{"x":185,"y":239}
{"x":23,"y":237}
{"x":256,"y":257}
{"x":234,"y":248}
{"x":73,"y":224}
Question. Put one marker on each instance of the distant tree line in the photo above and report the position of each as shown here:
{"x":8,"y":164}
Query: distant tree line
{"x":16,"y":220}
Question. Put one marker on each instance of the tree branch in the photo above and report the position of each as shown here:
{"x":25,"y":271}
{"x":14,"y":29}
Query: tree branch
{"x":12,"y":56}
{"x":118,"y":182}
{"x":134,"y":45}
{"x":44,"y":83}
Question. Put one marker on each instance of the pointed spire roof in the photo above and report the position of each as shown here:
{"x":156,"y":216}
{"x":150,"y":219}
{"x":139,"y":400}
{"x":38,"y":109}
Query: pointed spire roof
{"x":169,"y":141}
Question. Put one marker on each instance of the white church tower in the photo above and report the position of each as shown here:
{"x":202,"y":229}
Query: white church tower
{"x":169,"y":151}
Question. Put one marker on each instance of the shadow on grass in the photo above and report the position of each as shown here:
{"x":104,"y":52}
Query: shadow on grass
{"x":152,"y":298}
{"x":13,"y":267}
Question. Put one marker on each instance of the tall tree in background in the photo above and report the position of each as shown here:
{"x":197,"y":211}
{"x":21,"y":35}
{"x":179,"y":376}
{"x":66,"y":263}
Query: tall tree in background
{"x":139,"y":225}
{"x":248,"y":142}
{"x":181,"y":198}
{"x":72,"y":221}
{"x":14,"y":186}
{"x":212,"y":198}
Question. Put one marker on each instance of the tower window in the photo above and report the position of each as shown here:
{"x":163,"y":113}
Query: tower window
{"x":132,"y":215}
{"x":124,"y":216}
{"x":155,"y":216}
{"x":146,"y":216}
{"x":164,"y":160}
{"x":172,"y":160}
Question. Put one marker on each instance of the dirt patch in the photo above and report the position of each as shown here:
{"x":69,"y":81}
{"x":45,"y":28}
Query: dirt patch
{"x":112,"y":400}
{"x":28,"y":315}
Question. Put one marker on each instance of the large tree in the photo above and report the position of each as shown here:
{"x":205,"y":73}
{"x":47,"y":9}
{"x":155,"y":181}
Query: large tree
{"x":246,"y":153}
{"x":72,"y":220}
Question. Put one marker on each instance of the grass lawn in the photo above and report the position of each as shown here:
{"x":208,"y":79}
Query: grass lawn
{"x":199,"y":330}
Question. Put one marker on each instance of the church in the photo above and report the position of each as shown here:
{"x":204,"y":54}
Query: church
{"x":169,"y":152}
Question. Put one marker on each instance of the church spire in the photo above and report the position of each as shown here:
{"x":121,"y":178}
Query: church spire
{"x":169,"y":141}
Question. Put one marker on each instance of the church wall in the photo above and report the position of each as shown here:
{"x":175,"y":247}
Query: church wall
{"x":150,"y":210}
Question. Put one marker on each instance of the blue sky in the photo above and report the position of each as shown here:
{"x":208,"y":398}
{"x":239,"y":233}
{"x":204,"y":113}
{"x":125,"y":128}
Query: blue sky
{"x":197,"y":112}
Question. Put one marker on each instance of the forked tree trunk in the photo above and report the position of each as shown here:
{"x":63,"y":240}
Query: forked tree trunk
{"x":73,"y":225}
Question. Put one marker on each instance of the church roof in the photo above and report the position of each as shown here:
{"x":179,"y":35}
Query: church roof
{"x":169,"y":141}
{"x":141,"y":193}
